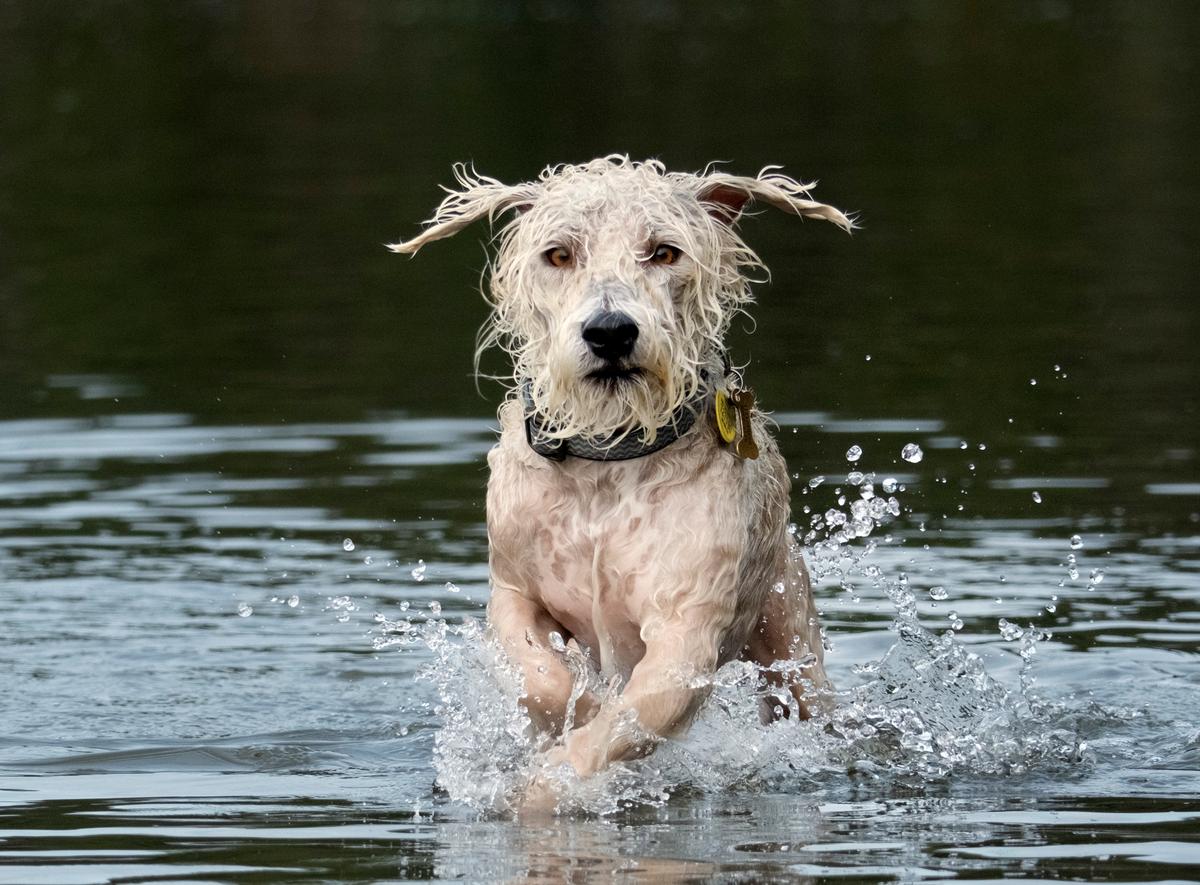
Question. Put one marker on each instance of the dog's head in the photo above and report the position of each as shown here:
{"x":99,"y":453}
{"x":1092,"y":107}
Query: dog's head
{"x":614,"y":282}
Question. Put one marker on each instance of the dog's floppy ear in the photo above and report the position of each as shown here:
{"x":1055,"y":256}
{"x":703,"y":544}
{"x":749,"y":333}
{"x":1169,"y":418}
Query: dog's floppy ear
{"x":480,"y":197}
{"x":725,"y":196}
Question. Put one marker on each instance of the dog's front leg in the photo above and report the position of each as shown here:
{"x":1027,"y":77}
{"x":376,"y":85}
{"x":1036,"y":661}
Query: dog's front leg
{"x":664,"y":692}
{"x":523,"y":628}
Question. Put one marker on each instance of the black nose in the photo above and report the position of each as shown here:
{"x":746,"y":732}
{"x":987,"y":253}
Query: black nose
{"x":610,"y":335}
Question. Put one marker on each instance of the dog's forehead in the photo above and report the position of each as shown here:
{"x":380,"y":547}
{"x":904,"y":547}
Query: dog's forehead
{"x":625,"y":195}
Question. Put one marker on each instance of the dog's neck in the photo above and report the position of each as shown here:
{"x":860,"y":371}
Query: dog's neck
{"x":616,"y":446}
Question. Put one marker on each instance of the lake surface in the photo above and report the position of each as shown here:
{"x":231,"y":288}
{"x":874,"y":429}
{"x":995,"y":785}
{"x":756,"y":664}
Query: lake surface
{"x":242,"y":551}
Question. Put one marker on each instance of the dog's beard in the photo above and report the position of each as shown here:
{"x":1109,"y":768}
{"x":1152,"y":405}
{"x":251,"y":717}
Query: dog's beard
{"x":606,"y":401}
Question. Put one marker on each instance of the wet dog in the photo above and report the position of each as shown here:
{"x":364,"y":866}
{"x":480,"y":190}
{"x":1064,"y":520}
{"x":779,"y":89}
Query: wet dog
{"x":637,"y":508}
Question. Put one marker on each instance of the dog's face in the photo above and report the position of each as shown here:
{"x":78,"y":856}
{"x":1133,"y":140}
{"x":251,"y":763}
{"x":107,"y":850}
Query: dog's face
{"x":613,"y":292}
{"x":615,"y":282}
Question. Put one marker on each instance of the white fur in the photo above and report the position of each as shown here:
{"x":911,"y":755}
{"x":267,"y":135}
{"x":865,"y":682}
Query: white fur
{"x":661,"y":568}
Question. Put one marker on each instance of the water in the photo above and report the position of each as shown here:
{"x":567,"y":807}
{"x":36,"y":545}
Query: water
{"x":151,"y":714}
{"x":242,"y":553}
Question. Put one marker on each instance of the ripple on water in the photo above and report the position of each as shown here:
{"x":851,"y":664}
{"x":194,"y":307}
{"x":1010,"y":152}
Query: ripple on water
{"x":124,"y":575}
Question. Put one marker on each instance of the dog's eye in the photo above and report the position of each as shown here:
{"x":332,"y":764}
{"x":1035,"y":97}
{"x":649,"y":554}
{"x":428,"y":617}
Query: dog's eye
{"x":558,"y":256}
{"x":665,"y":253}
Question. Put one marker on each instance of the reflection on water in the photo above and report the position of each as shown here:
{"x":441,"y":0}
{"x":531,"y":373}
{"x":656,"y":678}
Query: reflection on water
{"x":213,"y":377}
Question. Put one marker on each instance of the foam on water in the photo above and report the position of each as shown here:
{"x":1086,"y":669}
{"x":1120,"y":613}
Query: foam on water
{"x":926,"y":709}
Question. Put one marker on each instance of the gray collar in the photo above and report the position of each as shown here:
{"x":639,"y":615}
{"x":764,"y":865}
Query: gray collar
{"x":604,"y":448}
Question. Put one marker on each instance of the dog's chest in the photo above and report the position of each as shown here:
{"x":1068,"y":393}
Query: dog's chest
{"x":596,"y":565}
{"x":611,"y":548}
{"x":591,"y":543}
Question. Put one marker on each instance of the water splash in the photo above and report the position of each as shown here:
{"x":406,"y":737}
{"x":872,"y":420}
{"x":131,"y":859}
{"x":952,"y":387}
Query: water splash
{"x":926,"y":709}
{"x":342,"y":607}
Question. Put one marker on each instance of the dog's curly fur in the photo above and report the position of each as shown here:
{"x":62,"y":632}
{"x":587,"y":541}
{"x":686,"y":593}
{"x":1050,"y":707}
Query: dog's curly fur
{"x":608,"y":209}
{"x":662,"y":568}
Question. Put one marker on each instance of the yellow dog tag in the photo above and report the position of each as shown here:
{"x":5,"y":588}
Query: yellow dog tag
{"x":727,"y":419}
{"x":733,"y":421}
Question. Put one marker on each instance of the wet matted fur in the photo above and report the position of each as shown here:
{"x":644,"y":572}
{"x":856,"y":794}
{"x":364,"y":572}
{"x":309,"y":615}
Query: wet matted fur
{"x":661,"y":568}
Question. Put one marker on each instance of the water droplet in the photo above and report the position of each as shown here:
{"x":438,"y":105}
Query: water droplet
{"x":1033,"y":382}
{"x":1051,"y":607}
{"x":1076,"y":542}
{"x":451,"y":587}
{"x":890,"y":484}
{"x":556,"y":641}
{"x":963,"y":444}
{"x":853,"y":453}
{"x":347,"y":545}
{"x":245,"y":609}
{"x":983,"y":447}
{"x":418,"y":573}
{"x":293,"y":601}
{"x":938,"y":593}
{"x":1057,"y":367}
{"x":435,"y":607}
{"x":815,"y":481}
{"x":868,"y":357}
{"x":367,"y":560}
{"x":403,"y":730}
{"x":1009,"y":630}
{"x":1073,"y":573}
{"x":1097,"y":576}
{"x":855,"y":477}
{"x":779,"y":588}
{"x":1037,"y":497}
{"x":912,"y":453}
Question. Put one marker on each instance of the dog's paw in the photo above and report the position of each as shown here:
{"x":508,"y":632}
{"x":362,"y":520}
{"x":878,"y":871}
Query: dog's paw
{"x":544,"y":792}
{"x":540,"y":799}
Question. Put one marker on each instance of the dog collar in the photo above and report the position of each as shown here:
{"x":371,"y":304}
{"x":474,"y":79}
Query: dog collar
{"x":611,"y":447}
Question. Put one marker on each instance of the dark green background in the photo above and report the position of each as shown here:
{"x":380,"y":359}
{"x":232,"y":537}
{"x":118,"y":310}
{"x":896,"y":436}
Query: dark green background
{"x":193,"y":198}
